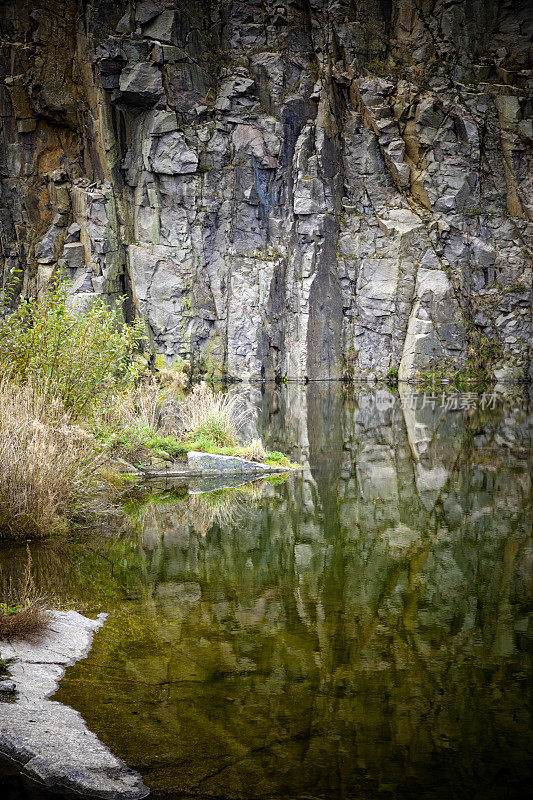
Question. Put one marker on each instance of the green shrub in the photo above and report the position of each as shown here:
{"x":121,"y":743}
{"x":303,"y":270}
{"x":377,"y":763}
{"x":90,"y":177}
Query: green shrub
{"x":392,"y":377}
{"x":77,"y":357}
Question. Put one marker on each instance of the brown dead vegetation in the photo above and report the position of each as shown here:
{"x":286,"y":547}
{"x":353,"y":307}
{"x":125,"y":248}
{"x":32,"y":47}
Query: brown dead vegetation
{"x":22,"y":610}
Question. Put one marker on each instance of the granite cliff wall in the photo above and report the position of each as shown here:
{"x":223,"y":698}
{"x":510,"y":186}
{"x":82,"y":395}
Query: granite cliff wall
{"x":310,"y":188}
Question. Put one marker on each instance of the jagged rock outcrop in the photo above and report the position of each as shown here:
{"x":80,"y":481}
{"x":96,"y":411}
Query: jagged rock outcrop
{"x":313,"y":188}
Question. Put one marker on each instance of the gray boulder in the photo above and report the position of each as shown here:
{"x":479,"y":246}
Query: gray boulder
{"x":141,"y":83}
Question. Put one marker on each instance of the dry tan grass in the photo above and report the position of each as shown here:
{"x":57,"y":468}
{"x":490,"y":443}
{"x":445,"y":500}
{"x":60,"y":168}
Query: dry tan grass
{"x":22,"y":612}
{"x":216,"y":416}
{"x":150,"y":404}
{"x":136,"y":406}
{"x":254,"y":451}
{"x":48,"y":466}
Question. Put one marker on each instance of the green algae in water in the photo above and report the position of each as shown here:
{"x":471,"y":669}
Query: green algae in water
{"x":361,"y":630}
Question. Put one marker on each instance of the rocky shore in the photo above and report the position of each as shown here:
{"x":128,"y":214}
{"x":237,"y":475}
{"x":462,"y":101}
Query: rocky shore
{"x":213,"y":465}
{"x":49,"y":740}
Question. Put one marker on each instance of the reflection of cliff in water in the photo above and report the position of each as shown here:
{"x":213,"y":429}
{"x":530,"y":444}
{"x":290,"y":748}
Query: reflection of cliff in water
{"x":362,"y":630}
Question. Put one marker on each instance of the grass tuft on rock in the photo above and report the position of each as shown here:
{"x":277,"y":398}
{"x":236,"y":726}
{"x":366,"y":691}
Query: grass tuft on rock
{"x":213,"y":417}
{"x":251,"y":452}
{"x":210,"y":423}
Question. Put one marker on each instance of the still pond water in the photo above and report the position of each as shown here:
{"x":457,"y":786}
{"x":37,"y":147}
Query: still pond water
{"x":362,"y":629}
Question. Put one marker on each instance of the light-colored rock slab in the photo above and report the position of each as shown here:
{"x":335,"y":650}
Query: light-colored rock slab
{"x":50,"y":740}
{"x":213,"y":465}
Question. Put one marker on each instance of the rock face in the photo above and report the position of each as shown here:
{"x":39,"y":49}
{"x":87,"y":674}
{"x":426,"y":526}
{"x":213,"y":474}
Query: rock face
{"x":49,"y":739}
{"x":312,"y":189}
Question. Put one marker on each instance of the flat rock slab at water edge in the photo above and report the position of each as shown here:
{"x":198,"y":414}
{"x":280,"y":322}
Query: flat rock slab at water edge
{"x":50,"y":740}
{"x":210,"y":464}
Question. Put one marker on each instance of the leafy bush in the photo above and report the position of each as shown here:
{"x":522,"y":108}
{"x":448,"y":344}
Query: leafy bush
{"x":78,"y":357}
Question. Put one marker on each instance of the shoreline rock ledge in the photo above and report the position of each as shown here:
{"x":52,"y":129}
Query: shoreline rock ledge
{"x":209,"y":465}
{"x":50,"y":741}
